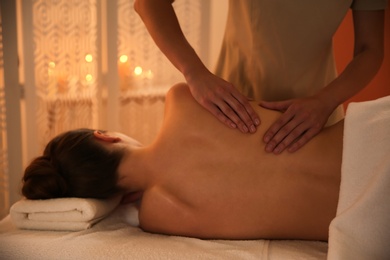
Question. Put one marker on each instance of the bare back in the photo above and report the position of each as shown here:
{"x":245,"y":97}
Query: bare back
{"x":216,"y":182}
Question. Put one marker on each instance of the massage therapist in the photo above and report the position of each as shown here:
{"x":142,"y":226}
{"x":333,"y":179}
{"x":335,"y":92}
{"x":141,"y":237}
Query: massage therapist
{"x":280,"y":54}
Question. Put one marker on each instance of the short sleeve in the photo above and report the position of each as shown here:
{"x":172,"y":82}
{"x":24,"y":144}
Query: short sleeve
{"x":369,"y":4}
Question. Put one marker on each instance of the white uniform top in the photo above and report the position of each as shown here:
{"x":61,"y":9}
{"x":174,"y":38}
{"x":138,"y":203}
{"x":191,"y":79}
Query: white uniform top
{"x":280,"y":49}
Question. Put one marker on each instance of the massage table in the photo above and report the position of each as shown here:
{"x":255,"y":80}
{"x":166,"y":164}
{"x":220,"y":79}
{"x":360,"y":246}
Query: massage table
{"x":360,"y":230}
{"x":116,"y":237}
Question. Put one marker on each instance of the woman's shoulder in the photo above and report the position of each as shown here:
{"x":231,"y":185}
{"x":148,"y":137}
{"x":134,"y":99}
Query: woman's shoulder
{"x":179,"y":91}
{"x":180,"y":99}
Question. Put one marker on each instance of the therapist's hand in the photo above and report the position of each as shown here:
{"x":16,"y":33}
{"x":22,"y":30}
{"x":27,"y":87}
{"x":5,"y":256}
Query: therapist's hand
{"x":301,"y":120}
{"x":224,"y":101}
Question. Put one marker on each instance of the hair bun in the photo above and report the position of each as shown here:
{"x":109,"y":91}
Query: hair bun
{"x":42,"y":181}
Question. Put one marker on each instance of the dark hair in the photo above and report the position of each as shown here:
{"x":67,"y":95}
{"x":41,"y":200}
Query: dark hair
{"x":73,"y":164}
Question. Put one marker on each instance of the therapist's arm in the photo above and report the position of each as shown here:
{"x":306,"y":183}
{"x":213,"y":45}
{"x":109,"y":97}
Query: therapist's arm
{"x":218,"y":96}
{"x":304,"y":118}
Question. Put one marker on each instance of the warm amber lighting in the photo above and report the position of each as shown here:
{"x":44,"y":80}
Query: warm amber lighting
{"x":52,"y":65}
{"x":138,"y":70}
{"x":123,"y":58}
{"x":88,"y":78}
{"x":88,"y":58}
{"x":149,"y":74}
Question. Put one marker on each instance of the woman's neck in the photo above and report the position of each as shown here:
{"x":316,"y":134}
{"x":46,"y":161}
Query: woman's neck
{"x":134,"y":170}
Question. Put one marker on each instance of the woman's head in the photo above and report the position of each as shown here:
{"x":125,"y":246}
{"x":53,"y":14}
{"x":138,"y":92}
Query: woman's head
{"x":73,"y":164}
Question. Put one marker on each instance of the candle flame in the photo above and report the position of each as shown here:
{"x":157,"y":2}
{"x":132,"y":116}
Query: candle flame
{"x":138,"y":70}
{"x":123,"y":58}
{"x":88,"y":78}
{"x":88,"y":58}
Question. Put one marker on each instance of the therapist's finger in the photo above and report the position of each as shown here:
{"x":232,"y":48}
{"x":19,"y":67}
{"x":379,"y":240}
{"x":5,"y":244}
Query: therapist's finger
{"x":248,"y":118}
{"x":248,"y":107}
{"x":304,"y":139}
{"x":285,"y":130}
{"x":227,"y":99}
{"x":217,"y":112}
{"x":281,"y":106}
{"x":290,"y":138}
{"x":278,"y":128}
{"x":276,"y":144}
{"x":231,"y":114}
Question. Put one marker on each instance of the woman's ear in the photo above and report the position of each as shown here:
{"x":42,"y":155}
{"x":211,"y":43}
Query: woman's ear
{"x":106,"y":137}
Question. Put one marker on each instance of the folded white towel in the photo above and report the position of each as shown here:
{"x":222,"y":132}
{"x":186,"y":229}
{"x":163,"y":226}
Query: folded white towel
{"x":63,"y":214}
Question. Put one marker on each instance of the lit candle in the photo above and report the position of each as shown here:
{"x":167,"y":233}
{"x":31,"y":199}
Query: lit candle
{"x":51,"y":89}
{"x":124,"y":72}
{"x":138,"y":71}
{"x":88,"y":58}
{"x":88,"y":76}
{"x":62,"y":83}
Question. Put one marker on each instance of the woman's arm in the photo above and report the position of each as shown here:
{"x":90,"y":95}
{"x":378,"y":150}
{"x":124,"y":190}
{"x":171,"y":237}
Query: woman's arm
{"x":219,"y":97}
{"x":304,"y":118}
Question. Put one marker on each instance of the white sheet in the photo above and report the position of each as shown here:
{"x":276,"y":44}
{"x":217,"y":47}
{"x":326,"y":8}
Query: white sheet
{"x":114,"y":238}
{"x":361,"y":229}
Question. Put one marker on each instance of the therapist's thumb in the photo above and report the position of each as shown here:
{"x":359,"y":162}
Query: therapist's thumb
{"x":276,"y":105}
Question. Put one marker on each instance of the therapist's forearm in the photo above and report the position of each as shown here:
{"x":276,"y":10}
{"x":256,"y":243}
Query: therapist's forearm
{"x":216,"y":95}
{"x":161,"y":21}
{"x":356,"y":76}
{"x":368,"y":57}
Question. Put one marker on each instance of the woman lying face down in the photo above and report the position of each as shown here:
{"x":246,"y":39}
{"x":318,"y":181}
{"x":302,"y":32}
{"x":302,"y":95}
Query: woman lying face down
{"x":199,"y":178}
